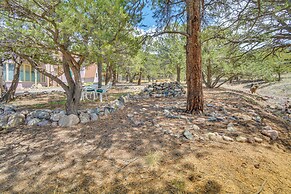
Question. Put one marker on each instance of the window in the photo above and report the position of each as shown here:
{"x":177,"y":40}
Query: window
{"x":27,"y":72}
{"x":21,"y":75}
{"x":32,"y":75}
{"x":10,"y":71}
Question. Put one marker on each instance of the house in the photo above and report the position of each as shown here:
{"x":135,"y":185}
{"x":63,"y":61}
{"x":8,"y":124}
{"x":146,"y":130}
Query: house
{"x":29,"y":76}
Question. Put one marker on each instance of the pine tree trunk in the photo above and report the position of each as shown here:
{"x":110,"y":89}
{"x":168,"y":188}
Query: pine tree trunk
{"x":114,"y":75}
{"x":132,"y":78}
{"x":127,"y":77}
{"x":99,"y":73}
{"x":193,"y":58}
{"x":178,"y":67}
{"x":279,"y":76}
{"x":108,"y":74}
{"x":9,"y":95}
{"x":139,"y":78}
{"x":2,"y":82}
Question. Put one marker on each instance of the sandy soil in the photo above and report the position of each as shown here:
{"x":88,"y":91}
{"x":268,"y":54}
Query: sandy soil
{"x":132,"y":151}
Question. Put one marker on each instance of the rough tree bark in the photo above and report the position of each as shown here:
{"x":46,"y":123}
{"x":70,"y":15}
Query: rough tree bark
{"x":132,"y":78}
{"x":193,"y":58}
{"x":74,"y":87}
{"x":2,"y":82}
{"x":10,"y":94}
{"x":114,"y":75}
{"x":139,"y":77}
{"x":108,"y":74}
{"x":99,"y":66}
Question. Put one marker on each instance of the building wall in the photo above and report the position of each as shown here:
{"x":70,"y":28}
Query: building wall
{"x":29,"y":76}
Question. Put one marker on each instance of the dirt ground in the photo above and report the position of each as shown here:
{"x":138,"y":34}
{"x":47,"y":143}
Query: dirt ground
{"x":140,"y":150}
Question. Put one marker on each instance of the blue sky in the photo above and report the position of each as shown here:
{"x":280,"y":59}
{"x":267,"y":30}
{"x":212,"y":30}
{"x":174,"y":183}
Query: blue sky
{"x":148,"y":20}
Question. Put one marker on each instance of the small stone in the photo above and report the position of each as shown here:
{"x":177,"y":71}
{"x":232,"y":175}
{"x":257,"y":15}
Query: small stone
{"x":258,"y":119}
{"x":215,"y":136}
{"x":195,"y":127}
{"x":129,"y":115}
{"x":56,"y":117}
{"x":84,"y":118}
{"x":226,"y":138}
{"x":54,"y":124}
{"x":188,"y":135}
{"x":259,"y":140}
{"x":33,"y":121}
{"x":250,"y":140}
{"x":212,"y":119}
{"x":243,"y":117}
{"x":93,"y":117}
{"x":241,"y":139}
{"x":273,"y":134}
{"x":201,"y":120}
{"x":210,"y":105}
{"x":41,"y":114}
{"x":24,"y":112}
{"x":231,"y":128}
{"x":43,"y":123}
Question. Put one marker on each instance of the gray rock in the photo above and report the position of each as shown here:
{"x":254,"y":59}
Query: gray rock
{"x":241,"y":139}
{"x":4,"y":120}
{"x":56,"y":117}
{"x":129,"y":115}
{"x":257,"y":139}
{"x":201,"y":120}
{"x":1,"y":110}
{"x":214,"y":136}
{"x":58,"y":110}
{"x":273,"y":134}
{"x":24,"y":112}
{"x":84,"y":117}
{"x":188,"y":135}
{"x":33,"y":121}
{"x":16,"y":120}
{"x":9,"y":109}
{"x":243,"y":117}
{"x":122,"y":100}
{"x":41,"y":114}
{"x":212,"y":119}
{"x":195,"y":127}
{"x":226,"y":138}
{"x":93,"y":110}
{"x":44,"y":123}
{"x":231,"y":128}
{"x":69,"y":120}
{"x":258,"y":119}
{"x":54,"y":124}
{"x":93,"y":117}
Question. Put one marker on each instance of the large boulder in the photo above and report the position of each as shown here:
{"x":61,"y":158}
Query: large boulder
{"x":57,"y":116}
{"x":84,"y":117}
{"x":3,"y":121}
{"x":15,"y":120}
{"x":69,"y":120}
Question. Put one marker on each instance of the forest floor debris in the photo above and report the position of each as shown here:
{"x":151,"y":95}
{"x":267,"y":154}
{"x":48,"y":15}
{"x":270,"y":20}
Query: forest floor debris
{"x":142,"y":149}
